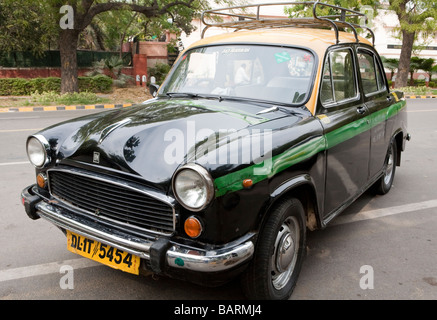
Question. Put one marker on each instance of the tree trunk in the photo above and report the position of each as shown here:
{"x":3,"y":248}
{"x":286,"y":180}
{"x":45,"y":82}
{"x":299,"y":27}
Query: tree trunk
{"x":68,"y":48}
{"x":412,"y":78}
{"x":405,"y":59}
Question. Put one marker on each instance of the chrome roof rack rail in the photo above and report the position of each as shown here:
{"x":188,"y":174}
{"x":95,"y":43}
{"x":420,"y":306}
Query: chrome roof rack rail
{"x":251,"y":21}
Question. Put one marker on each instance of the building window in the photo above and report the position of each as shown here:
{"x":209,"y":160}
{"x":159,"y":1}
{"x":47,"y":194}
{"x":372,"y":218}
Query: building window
{"x":399,"y":46}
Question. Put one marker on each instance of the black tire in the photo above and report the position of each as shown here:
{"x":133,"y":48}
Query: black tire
{"x":384,"y":184}
{"x":273,"y":273}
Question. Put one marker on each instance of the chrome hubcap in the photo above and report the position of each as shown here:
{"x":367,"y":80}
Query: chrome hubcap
{"x":389,"y":169}
{"x":285,"y":252}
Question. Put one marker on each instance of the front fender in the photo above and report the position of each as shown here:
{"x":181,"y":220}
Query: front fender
{"x":302,"y":187}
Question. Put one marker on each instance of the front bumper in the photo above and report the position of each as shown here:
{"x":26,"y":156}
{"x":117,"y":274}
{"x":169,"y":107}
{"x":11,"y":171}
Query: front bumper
{"x":161,"y":253}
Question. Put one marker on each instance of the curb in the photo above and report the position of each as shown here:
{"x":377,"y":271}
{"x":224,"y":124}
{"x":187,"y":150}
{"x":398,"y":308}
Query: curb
{"x":421,"y":97}
{"x":64,"y":108}
{"x":116,"y":106}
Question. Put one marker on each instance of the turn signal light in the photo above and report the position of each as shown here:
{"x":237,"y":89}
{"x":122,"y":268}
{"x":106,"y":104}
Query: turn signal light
{"x":41,"y":180}
{"x":193,"y":227}
{"x":247,"y":183}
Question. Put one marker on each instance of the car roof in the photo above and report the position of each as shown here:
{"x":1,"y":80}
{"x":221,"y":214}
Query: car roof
{"x":317,"y":40}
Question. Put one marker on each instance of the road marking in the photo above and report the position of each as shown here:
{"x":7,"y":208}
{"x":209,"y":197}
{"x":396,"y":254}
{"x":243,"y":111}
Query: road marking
{"x":411,"y":111}
{"x":379,"y":213}
{"x":19,"y":130}
{"x":13,"y":163}
{"x":19,"y":118}
{"x":46,"y":268}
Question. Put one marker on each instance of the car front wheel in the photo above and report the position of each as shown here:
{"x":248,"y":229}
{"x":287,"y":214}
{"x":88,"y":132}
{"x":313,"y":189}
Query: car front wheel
{"x":279,"y":254}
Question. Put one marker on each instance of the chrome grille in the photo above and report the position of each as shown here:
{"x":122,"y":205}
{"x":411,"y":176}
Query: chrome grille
{"x":112,"y":203}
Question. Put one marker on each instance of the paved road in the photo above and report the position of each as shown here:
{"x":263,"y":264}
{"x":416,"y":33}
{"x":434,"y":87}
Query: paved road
{"x":392,"y":237}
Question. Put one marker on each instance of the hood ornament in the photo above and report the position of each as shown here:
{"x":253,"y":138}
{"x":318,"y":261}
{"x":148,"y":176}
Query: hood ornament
{"x":96,"y":157}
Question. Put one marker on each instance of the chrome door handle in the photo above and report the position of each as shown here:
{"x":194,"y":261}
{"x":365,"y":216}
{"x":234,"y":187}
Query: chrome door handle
{"x":361,"y":110}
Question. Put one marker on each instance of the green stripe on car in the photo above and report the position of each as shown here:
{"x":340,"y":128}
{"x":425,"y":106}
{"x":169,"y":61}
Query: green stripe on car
{"x":258,"y":172}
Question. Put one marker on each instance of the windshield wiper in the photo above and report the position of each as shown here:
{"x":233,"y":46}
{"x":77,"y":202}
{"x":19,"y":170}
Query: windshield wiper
{"x":181,"y":94}
{"x":220,"y":98}
{"x":272,"y":109}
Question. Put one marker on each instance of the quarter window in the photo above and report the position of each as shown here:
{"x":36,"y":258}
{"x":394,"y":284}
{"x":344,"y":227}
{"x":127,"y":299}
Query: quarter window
{"x":338,"y":83}
{"x":371,"y":75}
{"x":326,"y":93}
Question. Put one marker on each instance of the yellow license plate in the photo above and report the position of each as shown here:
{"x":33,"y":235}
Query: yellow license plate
{"x":103,"y":253}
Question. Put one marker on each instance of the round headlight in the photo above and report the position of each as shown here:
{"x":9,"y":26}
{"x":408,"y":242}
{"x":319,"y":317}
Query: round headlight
{"x":193,"y":187}
{"x":37,"y":151}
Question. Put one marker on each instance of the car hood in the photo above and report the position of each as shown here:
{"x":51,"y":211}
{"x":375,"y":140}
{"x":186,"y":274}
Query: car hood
{"x":155,"y":138}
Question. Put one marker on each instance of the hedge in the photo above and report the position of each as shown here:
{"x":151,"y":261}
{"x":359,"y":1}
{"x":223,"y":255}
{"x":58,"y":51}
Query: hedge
{"x":25,"y":87}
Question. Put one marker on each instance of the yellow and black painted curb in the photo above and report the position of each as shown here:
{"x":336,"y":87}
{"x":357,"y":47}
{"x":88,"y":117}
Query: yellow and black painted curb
{"x":64,"y":108}
{"x":118,"y":106}
{"x":421,"y":97}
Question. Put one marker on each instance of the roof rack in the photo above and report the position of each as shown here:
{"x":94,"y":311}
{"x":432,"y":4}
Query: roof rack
{"x":251,"y":21}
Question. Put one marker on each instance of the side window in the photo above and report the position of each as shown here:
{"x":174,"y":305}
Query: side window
{"x":338,"y":83}
{"x":371,"y":74}
{"x":326,"y":95}
{"x":380,"y":77}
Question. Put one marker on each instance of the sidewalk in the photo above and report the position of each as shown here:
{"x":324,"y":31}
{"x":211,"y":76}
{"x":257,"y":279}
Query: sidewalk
{"x":63,"y":108}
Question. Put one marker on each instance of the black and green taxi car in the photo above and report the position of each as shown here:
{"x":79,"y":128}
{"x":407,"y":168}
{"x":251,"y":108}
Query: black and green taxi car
{"x":254,"y":138}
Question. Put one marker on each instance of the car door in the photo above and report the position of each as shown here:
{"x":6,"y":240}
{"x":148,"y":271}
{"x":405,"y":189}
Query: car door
{"x":342,"y":114}
{"x":377,"y":99}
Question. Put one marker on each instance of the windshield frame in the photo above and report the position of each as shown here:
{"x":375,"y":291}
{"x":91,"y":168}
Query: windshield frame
{"x":162,"y":94}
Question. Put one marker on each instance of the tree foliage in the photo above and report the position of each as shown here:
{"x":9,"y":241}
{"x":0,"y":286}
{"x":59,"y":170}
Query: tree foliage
{"x":417,"y":20}
{"x":390,"y":63}
{"x":24,"y":27}
{"x":303,"y":10}
{"x":417,"y":64}
{"x":33,"y":25}
{"x":432,"y":71}
{"x":416,"y":17}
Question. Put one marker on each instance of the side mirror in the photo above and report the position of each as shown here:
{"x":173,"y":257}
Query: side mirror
{"x":153,"y":89}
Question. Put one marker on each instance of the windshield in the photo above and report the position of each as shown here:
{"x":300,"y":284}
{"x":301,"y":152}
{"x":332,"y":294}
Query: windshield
{"x":268,"y":73}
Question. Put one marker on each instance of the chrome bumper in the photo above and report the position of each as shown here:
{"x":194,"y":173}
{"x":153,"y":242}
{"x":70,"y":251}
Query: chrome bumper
{"x":176,"y":255}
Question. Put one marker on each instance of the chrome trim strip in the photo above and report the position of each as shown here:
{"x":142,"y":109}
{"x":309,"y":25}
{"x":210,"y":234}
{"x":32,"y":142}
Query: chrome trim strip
{"x":210,"y":261}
